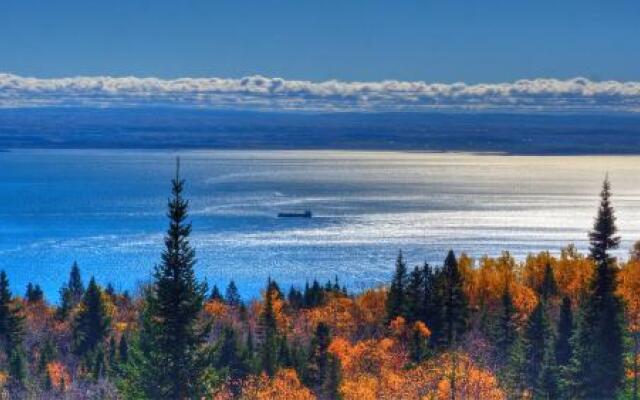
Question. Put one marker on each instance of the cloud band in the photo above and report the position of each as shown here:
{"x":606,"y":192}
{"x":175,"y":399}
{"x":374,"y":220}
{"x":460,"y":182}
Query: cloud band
{"x":258,"y":92}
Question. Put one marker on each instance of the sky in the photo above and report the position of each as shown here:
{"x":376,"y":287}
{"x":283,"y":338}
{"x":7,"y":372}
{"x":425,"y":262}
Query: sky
{"x":306,"y":43}
{"x":351,"y":40}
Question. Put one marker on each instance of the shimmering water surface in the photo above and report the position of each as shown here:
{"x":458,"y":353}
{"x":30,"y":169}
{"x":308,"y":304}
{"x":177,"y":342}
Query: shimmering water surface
{"x":106,"y":209}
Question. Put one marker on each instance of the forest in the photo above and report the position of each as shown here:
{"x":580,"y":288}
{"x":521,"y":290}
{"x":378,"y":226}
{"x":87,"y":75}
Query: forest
{"x":551,"y":326}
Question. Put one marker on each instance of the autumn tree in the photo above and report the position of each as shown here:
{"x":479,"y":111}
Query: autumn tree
{"x":597,"y":363}
{"x":171,"y":361}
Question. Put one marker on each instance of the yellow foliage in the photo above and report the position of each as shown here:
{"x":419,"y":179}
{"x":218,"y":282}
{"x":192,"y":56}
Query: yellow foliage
{"x":285,"y":385}
{"x":422,"y":329}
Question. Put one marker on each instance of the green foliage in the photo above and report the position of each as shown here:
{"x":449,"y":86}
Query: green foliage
{"x":396,"y":298}
{"x":597,"y":365}
{"x":506,"y":327}
{"x":268,"y":324}
{"x":232,"y":296}
{"x":172,"y":361}
{"x":454,"y":304}
{"x":92,"y":322}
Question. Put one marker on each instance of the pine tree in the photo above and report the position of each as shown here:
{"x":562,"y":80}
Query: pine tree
{"x":506,"y":327}
{"x":415,"y":293}
{"x":48,"y":353}
{"x":91,"y":324}
{"x":171,"y":362}
{"x":454,"y":302}
{"x":215,"y":294}
{"x":230,"y":357}
{"x":396,"y":298}
{"x":232,"y":296}
{"x":546,"y":387}
{"x":268,"y":323}
{"x":548,"y":288}
{"x":5,"y":304}
{"x":538,"y":340}
{"x":333,"y":379}
{"x":317,"y":365}
{"x":123,"y":349}
{"x":598,"y":363}
{"x":565,"y":331}
{"x":75,"y":285}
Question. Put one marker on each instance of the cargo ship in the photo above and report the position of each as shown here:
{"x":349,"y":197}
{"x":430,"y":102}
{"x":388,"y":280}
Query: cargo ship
{"x":306,"y":214}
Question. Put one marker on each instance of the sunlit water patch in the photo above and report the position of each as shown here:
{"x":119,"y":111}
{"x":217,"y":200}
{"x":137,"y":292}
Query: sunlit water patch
{"x":106,"y":209}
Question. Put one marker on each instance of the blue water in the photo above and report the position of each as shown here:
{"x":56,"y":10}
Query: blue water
{"x":106,"y":209}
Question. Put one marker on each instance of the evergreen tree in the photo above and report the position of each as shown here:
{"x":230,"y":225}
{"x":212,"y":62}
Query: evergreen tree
{"x":230,"y":357}
{"x":11,"y":318}
{"x":565,"y":331}
{"x":123,"y":349}
{"x":598,"y":363}
{"x":538,"y":340}
{"x":232,"y":296}
{"x":75,"y":285}
{"x":506,"y":328}
{"x":333,"y":379}
{"x":172,"y":362}
{"x":396,"y":298}
{"x":48,"y":353}
{"x":546,"y":387}
{"x":514,"y":375}
{"x":66,"y":304}
{"x":454,"y":302}
{"x":91,"y":324}
{"x":215,"y":294}
{"x":317,"y":365}
{"x":548,"y":288}
{"x":268,"y":323}
{"x":5,"y":304}
{"x":415,"y":293}
{"x":18,"y":366}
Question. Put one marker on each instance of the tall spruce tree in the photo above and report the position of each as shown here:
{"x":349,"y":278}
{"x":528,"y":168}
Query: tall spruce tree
{"x":232,"y":296}
{"x":91,"y":324}
{"x":454,"y":302}
{"x":317,"y":365}
{"x":12,"y":332}
{"x":506,"y":327}
{"x":172,"y":362}
{"x":548,"y":287}
{"x":415,"y":293}
{"x":75,"y":285}
{"x":537,"y":340}
{"x":396,"y":298}
{"x":598,"y":362}
{"x":269,"y":326}
{"x":564,"y":333}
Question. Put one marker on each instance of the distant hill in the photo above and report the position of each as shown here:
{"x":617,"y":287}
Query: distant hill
{"x":206,"y":129}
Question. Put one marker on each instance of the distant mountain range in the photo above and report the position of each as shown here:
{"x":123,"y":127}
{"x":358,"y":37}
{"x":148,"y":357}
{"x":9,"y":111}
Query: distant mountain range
{"x":190,"y":128}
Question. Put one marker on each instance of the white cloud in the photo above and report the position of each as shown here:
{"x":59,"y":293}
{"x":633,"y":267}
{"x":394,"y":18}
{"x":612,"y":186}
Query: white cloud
{"x":258,"y":92}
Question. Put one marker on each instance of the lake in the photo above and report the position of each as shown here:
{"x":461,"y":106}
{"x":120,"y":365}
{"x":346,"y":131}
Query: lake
{"x":106,"y":209}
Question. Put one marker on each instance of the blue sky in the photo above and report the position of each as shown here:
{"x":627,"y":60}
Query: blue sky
{"x":443,"y":41}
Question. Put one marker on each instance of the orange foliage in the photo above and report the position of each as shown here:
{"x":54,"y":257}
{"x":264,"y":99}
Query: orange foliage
{"x":629,"y":289}
{"x":285,"y":385}
{"x":58,"y":375}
